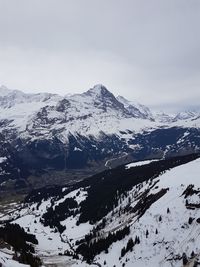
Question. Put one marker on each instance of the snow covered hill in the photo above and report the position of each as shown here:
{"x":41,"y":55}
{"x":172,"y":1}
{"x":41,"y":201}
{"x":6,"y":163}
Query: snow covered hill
{"x":148,"y":216}
{"x":7,"y":261}
{"x":42,"y":132}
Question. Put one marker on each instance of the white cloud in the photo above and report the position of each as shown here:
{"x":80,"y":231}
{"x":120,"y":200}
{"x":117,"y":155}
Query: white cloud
{"x":145,"y":50}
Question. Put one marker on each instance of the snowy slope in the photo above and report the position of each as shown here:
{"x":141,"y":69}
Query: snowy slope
{"x":7,"y":261}
{"x":161,"y":206}
{"x":136,"y":109}
{"x":175,"y":236}
{"x":4,"y":91}
{"x":17,"y":107}
{"x":186,"y":115}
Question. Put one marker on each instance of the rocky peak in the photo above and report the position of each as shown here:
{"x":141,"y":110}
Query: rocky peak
{"x":103,"y":98}
{"x":100,"y":90}
{"x":63,"y":105}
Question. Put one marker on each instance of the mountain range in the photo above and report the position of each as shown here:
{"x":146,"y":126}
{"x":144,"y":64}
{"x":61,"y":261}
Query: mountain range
{"x":71,"y":137}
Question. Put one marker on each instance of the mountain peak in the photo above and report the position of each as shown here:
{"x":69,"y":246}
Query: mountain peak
{"x":100,"y":90}
{"x":4,"y":91}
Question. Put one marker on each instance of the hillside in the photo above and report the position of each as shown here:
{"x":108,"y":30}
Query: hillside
{"x":140,"y":214}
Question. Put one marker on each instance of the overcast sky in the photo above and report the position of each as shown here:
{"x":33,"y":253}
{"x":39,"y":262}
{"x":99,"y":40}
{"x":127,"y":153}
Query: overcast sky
{"x":146,"y":50}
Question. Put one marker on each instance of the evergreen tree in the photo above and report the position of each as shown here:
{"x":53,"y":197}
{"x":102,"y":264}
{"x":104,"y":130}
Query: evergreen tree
{"x":168,"y":211}
{"x":190,"y":220}
{"x":129,"y":245}
{"x":147,"y":233}
{"x":185,"y":260}
{"x":123,"y":252}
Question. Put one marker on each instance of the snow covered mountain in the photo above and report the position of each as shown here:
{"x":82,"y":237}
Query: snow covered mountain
{"x":141,"y":214}
{"x":97,"y":110}
{"x":42,"y":132}
{"x":94,"y":111}
{"x":136,"y":109}
{"x":186,"y":115}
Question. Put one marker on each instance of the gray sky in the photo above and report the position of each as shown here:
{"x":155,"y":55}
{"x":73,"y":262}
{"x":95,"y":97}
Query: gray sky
{"x":145,"y":50}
